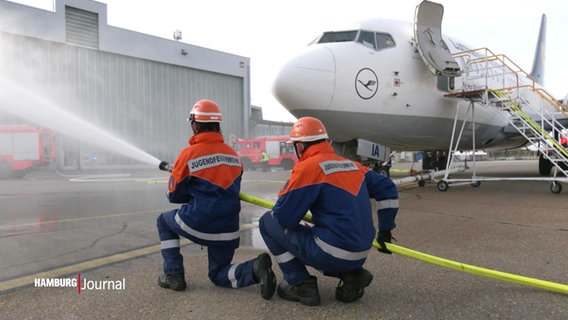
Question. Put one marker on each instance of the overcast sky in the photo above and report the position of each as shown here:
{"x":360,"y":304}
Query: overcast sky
{"x":269,"y":32}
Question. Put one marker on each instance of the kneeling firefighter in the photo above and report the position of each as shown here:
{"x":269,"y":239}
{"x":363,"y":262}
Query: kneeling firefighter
{"x":336,"y":191}
{"x":206,"y":180}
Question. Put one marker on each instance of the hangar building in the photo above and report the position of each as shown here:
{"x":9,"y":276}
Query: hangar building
{"x":135,"y":86}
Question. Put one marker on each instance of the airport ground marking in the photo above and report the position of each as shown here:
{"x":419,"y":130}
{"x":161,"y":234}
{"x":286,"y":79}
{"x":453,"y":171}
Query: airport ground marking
{"x":95,"y":263}
{"x":157,"y":211}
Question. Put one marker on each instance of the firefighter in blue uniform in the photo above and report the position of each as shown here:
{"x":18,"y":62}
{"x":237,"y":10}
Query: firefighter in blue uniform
{"x":336,"y":191}
{"x":206,"y":180}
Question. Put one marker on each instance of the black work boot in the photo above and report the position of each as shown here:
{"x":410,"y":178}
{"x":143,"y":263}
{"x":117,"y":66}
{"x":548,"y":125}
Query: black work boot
{"x":175,"y":282}
{"x":306,"y":292}
{"x":352,"y":285}
{"x":262,"y":274}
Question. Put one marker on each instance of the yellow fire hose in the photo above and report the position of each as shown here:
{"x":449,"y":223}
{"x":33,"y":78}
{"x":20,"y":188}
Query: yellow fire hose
{"x":542,"y":284}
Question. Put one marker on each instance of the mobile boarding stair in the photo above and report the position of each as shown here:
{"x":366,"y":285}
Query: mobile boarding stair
{"x":529,"y":110}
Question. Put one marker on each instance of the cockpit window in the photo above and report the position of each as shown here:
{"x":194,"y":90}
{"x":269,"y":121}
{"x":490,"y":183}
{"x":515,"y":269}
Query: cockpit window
{"x":367,"y":39}
{"x":384,"y":40}
{"x":341,"y":36}
{"x":375,"y":40}
{"x":370,"y":39}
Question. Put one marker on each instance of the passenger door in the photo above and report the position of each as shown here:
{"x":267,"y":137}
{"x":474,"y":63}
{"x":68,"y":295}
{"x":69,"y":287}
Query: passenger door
{"x":428,"y":37}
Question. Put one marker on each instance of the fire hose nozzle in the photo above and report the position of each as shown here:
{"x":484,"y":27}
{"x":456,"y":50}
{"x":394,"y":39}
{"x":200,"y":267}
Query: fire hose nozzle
{"x":166,"y":166}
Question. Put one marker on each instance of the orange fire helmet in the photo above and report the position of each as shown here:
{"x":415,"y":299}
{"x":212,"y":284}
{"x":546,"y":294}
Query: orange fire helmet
{"x":308,"y":129}
{"x":205,"y":111}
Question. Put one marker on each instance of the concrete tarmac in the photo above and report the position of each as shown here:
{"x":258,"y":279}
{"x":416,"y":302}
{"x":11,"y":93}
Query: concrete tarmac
{"x":519,"y":227}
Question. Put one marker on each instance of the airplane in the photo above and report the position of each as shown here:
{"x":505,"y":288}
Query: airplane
{"x":406,"y":87}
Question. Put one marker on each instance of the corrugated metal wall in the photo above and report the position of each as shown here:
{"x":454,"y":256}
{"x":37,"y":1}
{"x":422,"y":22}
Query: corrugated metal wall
{"x":144,"y":102}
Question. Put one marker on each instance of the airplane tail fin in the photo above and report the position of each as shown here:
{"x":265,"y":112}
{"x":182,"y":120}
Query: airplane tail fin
{"x":537,"y":72}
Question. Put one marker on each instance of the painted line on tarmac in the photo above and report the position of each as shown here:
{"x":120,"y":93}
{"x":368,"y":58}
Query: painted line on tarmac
{"x":151,"y":180}
{"x":157,"y":211}
{"x":76,"y":268}
{"x":92,"y":264}
{"x":111,"y":178}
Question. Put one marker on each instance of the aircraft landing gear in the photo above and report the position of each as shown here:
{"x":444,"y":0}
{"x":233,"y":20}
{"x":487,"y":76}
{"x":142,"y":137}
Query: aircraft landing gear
{"x":555,"y":187}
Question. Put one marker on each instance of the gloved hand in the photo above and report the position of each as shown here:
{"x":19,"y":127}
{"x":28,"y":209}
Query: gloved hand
{"x":382,"y":237}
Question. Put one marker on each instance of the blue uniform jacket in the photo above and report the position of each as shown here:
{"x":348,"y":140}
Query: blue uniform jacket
{"x":336,"y":191}
{"x":206,"y":178}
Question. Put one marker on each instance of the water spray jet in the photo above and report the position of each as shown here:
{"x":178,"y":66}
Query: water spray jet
{"x":29,"y":105}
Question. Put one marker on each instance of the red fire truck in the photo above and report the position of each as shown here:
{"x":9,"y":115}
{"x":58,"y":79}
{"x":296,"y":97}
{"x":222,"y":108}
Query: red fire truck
{"x":280,"y":152}
{"x":23,"y":147}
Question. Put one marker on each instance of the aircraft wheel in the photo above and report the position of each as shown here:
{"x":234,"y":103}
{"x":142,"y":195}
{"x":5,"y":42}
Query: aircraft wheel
{"x":476,"y":184}
{"x":421,"y":183}
{"x":443,"y":185}
{"x":555,"y":187}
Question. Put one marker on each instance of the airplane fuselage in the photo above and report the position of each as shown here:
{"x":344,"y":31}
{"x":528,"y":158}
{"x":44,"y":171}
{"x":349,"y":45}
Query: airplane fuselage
{"x":385,"y":95}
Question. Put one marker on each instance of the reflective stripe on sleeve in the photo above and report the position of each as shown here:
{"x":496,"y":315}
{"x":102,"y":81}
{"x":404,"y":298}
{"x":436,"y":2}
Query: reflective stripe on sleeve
{"x":206,"y":236}
{"x":388,"y":203}
{"x":168,"y":244}
{"x":340,"y":253}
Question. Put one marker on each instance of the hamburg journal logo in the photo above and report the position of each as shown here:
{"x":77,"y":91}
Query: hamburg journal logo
{"x":81,"y":284}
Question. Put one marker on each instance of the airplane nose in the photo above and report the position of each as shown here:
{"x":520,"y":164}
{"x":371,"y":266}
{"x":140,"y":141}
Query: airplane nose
{"x":306,"y":81}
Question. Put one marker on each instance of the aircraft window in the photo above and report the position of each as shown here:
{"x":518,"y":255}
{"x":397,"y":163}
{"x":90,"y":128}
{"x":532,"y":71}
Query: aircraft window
{"x":367,"y":39}
{"x":340,"y":36}
{"x":384,"y":40}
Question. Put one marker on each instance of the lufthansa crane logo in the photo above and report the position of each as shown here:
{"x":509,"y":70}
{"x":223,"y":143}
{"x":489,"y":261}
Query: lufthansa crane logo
{"x":366,"y":83}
